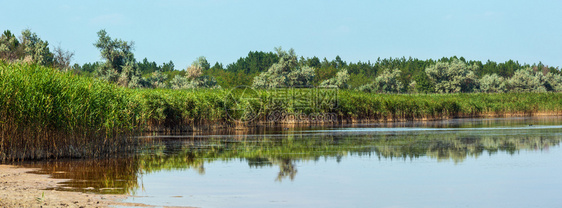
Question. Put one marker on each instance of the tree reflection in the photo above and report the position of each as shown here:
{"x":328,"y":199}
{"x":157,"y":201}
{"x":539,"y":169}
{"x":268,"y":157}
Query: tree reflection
{"x":122,"y":175}
{"x":286,"y":169}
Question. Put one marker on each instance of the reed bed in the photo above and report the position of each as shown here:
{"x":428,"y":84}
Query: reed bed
{"x":45,"y":113}
{"x":48,"y":114}
{"x":186,"y":110}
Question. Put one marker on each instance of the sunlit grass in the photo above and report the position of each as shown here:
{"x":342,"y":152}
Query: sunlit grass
{"x":46,"y":113}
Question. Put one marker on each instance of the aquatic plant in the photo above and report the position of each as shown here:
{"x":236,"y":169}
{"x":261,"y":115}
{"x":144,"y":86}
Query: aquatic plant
{"x":45,"y":113}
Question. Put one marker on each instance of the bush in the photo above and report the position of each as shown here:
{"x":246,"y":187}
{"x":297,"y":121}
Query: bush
{"x":387,"y":82}
{"x":492,"y":84}
{"x":287,"y":72}
{"x":527,"y":80}
{"x":452,"y":77}
{"x":339,"y":81}
{"x":194,"y":77}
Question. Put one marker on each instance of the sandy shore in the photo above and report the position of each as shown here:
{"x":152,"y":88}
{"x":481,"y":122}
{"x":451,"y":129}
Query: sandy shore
{"x":21,"y":189}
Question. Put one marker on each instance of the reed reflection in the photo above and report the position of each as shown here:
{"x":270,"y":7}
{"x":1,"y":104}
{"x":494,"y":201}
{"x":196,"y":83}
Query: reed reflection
{"x":124,"y":175}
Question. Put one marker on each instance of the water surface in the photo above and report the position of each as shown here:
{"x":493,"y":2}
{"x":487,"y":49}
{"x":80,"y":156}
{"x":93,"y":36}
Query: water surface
{"x":511,"y":162}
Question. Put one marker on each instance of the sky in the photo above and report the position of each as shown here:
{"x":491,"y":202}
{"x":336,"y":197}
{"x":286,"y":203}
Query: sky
{"x":356,"y":30}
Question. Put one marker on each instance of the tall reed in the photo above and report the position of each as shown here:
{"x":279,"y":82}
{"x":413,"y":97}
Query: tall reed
{"x":45,"y":113}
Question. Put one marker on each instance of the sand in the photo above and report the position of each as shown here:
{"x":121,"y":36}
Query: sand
{"x":18,"y":188}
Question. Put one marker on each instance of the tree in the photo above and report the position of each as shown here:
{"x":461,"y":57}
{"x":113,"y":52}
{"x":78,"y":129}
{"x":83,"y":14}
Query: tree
{"x":255,"y":62}
{"x":492,"y":84}
{"x":194,"y":77}
{"x":62,"y":58}
{"x":285,"y":73}
{"x":338,"y":63}
{"x":452,"y":77}
{"x":146,"y":67}
{"x":386,"y":82}
{"x":167,"y":67}
{"x":194,"y":71}
{"x":35,"y":49}
{"x":313,"y":62}
{"x":422,"y":84}
{"x":120,"y":65}
{"x":553,"y":82}
{"x":339,"y":81}
{"x":10,"y":47}
{"x":30,"y":48}
{"x":527,"y":80}
{"x":157,"y":80}
{"x":202,"y":62}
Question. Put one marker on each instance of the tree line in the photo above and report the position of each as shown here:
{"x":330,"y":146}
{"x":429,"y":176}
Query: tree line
{"x":283,"y":68}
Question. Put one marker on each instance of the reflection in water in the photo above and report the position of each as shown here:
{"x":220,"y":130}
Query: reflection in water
{"x":107,"y":176}
{"x":123,"y":175}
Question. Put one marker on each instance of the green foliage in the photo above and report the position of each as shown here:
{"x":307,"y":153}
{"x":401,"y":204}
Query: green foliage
{"x":120,"y":66}
{"x":202,"y":62}
{"x":527,"y":80}
{"x":229,"y":79}
{"x":47,"y":113}
{"x":157,"y":80}
{"x":387,"y":82}
{"x":492,"y":84}
{"x":254,"y":63}
{"x":553,"y":82}
{"x":422,"y":84}
{"x":285,"y":73}
{"x":30,"y":49}
{"x":146,"y":67}
{"x":194,"y":77}
{"x":452,"y":77}
{"x":36,"y":49}
{"x":339,"y":81}
{"x":10,"y":47}
{"x":179,"y":82}
{"x":357,"y":80}
{"x":534,"y":80}
{"x":506,"y":69}
{"x":324,"y":73}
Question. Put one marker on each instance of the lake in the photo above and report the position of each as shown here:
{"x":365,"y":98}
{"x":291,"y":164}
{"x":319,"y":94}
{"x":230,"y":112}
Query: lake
{"x":502,"y":162}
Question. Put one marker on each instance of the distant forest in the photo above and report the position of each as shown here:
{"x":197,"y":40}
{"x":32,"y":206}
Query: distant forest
{"x":258,"y":68}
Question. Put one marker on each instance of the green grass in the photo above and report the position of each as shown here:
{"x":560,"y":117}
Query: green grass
{"x":45,"y":113}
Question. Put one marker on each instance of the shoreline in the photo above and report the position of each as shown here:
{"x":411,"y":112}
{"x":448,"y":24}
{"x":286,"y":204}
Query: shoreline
{"x":19,"y":188}
{"x":342,"y":121}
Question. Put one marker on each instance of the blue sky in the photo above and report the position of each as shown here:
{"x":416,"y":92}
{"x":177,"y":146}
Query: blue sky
{"x":223,"y":31}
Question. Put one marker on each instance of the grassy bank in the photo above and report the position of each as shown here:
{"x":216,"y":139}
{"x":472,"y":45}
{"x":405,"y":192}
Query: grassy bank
{"x":45,"y":113}
{"x":167,"y":108}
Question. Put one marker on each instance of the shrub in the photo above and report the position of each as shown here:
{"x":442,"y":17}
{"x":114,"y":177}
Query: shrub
{"x":339,"y":81}
{"x":527,"y":80}
{"x":287,"y":72}
{"x":387,"y":82}
{"x":492,"y":84}
{"x":452,"y":77}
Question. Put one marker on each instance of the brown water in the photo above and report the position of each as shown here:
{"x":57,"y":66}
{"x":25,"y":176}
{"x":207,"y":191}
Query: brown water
{"x":511,"y":162}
